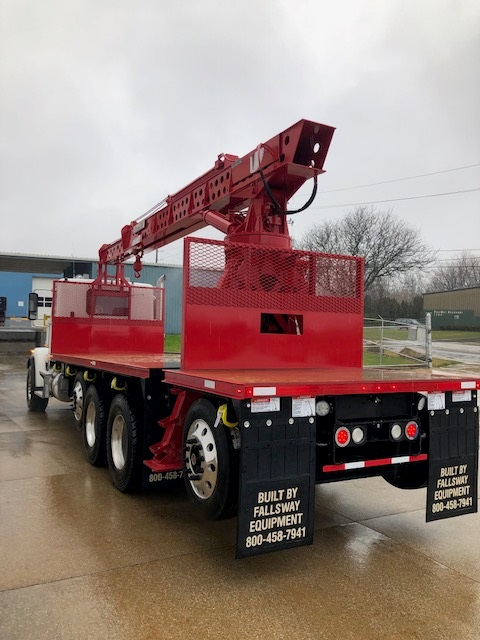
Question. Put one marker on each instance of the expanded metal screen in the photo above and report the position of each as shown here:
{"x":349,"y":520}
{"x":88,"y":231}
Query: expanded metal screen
{"x":77,"y":299}
{"x":241,"y":275}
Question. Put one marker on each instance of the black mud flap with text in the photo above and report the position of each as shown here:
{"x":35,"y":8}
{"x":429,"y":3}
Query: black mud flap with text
{"x":277,"y":475}
{"x":453,"y":454}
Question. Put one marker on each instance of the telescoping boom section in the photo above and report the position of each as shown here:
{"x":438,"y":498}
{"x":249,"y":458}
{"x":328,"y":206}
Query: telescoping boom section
{"x":268,"y":396}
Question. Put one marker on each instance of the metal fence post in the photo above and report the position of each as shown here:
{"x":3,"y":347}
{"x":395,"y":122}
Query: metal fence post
{"x":381,"y":341}
{"x":428,"y":339}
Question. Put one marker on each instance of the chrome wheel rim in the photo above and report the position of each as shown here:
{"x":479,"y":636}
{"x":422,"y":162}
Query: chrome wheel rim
{"x":201,"y":459}
{"x":77,"y":400}
{"x":90,"y":419}
{"x":119,"y":442}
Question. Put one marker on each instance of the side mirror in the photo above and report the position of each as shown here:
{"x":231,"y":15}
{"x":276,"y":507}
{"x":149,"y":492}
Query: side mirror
{"x":33,"y":306}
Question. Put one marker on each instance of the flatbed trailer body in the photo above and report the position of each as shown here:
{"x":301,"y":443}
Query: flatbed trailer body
{"x":278,"y":428}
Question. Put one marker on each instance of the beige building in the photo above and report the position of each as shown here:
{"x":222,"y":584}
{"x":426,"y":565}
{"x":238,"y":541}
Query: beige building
{"x":457,"y":309}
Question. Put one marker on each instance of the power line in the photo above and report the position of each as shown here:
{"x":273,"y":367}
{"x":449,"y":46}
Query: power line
{"x":427,"y":195}
{"x":420,"y":175}
{"x":453,"y":250}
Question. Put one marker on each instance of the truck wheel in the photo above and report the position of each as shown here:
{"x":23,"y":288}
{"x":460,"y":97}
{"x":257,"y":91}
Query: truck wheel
{"x":94,"y":427}
{"x":78,"y":399}
{"x":210,"y":463}
{"x":408,"y":476}
{"x":34,"y":403}
{"x":123,"y":447}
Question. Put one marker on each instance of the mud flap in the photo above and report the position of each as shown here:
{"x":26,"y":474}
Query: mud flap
{"x":277,"y":476}
{"x":453,"y":454}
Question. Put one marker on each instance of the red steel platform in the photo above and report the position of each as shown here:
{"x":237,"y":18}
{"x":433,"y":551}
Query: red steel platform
{"x":311,"y":382}
{"x":246,"y":383}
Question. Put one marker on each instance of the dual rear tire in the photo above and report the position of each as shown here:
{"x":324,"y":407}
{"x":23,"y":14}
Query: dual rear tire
{"x":408,"y":476}
{"x":123,"y":445}
{"x":210,"y":463}
{"x":112,"y":438}
{"x":94,"y":427}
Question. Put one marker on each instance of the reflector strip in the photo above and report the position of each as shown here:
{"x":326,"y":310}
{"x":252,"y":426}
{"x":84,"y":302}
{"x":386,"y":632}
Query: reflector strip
{"x":373,"y":463}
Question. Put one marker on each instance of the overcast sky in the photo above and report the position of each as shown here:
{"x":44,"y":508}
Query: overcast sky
{"x":107,"y":106}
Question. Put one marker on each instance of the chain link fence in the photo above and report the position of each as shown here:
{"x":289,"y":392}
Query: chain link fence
{"x":401,"y":343}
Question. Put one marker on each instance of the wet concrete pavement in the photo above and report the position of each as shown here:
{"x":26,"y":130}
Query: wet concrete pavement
{"x":81,"y":560}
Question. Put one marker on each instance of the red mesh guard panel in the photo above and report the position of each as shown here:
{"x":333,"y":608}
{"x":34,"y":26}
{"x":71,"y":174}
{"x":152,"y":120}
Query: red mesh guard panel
{"x":242,"y":275}
{"x":90,"y":318}
{"x":228,"y":289}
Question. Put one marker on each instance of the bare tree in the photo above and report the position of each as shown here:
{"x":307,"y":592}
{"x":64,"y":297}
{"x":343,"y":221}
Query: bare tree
{"x":462,"y":272}
{"x":389,"y":245}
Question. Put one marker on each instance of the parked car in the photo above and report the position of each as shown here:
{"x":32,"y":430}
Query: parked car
{"x":408,"y":322}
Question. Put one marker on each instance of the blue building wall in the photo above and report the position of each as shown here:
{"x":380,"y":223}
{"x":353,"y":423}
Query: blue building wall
{"x":16,"y":287}
{"x":173,"y":288}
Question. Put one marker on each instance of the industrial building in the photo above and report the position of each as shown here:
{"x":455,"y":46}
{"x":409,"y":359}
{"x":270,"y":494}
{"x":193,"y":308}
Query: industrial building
{"x":21,"y":274}
{"x":456,"y":309}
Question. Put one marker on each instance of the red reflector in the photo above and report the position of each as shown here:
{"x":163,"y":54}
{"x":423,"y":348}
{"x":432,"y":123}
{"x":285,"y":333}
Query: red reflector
{"x":411,"y":430}
{"x":342,"y":437}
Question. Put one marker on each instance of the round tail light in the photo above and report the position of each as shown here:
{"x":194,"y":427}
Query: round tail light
{"x":322,"y":408}
{"x":411,"y":430}
{"x":358,"y":435}
{"x":342,"y":437}
{"x":396,"y":431}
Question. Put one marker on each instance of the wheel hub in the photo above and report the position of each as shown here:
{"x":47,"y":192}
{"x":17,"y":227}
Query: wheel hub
{"x":201,"y":459}
{"x":119,"y":442}
{"x":90,"y":418}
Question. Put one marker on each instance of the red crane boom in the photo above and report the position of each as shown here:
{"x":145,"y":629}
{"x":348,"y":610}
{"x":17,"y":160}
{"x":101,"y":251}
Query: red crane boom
{"x":245,"y":198}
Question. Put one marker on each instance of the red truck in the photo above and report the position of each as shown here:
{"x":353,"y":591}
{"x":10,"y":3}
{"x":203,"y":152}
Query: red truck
{"x":268,"y":396}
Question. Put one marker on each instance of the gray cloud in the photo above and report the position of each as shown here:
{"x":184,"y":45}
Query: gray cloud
{"x":109,"y":106}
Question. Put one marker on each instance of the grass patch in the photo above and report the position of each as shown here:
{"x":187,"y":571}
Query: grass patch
{"x":389,"y":359}
{"x":373,"y":359}
{"x":440,"y":362}
{"x":457,"y":336}
{"x":173,"y":343}
{"x":375,"y":334}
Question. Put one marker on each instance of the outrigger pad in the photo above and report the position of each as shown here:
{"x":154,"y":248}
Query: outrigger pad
{"x":277,"y":476}
{"x":453,"y":456}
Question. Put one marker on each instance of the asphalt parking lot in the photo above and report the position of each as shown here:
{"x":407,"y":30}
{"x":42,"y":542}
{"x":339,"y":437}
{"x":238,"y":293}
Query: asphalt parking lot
{"x":81,"y":560}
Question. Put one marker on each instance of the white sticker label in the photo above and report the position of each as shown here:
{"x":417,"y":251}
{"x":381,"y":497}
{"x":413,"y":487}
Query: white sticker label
{"x":303,"y":407}
{"x":264,"y":391}
{"x":265,"y":404}
{"x":436,"y":401}
{"x":468,"y":384}
{"x":461,"y":396}
{"x":209,"y":384}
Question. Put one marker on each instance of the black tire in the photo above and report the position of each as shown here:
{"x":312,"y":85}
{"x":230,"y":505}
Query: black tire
{"x":210,"y":463}
{"x":94,"y":427}
{"x":34,"y":403}
{"x":79,"y":391}
{"x":123,"y":445}
{"x":412,"y":475}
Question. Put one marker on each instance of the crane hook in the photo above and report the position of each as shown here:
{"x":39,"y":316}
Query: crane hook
{"x":137,"y":265}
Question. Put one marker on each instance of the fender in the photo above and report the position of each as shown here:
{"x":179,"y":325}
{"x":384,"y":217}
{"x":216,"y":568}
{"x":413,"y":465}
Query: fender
{"x":40,"y":357}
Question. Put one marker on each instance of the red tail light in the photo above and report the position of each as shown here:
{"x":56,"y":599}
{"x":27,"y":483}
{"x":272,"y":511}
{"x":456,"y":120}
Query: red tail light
{"x":342,"y":437}
{"x":412,"y":430}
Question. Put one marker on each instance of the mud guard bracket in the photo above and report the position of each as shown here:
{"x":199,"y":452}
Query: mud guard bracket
{"x":277,"y":477}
